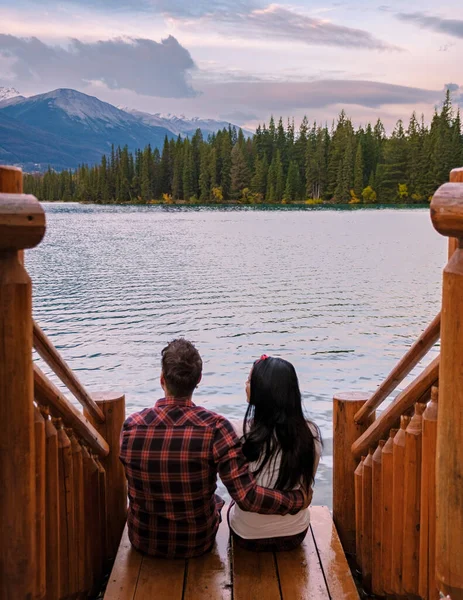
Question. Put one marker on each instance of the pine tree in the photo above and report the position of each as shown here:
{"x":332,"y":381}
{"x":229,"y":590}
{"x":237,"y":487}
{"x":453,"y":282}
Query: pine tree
{"x":359,"y":182}
{"x":293,"y":183}
{"x":239,"y":171}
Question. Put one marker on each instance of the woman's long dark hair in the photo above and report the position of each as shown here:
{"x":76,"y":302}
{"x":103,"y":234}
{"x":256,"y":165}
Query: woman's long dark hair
{"x":275,"y":422}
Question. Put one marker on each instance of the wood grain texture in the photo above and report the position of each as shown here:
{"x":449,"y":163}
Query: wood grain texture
{"x":427,"y":583}
{"x":123,"y":580}
{"x":447,"y":210}
{"x":11,"y":180}
{"x":17,"y":449}
{"x":112,"y":405}
{"x":22,"y":222}
{"x":358,"y":484}
{"x":419,"y":388}
{"x":387,"y":508}
{"x":412,"y":498}
{"x":338,"y":577}
{"x":47,"y":393}
{"x":449,"y":540}
{"x":409,"y":361}
{"x":40,"y":489}
{"x":367,"y":520}
{"x":254,"y":575}
{"x":68,"y":578}
{"x":209,"y":576}
{"x":300,"y":572}
{"x":57,"y":364}
{"x":377,"y":517}
{"x":160,"y":578}
{"x":52,"y":521}
{"x":345,"y":432}
{"x":398,"y":458}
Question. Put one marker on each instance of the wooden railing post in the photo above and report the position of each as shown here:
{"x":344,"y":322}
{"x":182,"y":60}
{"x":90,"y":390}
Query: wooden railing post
{"x":113,"y":408}
{"x":345,"y":432}
{"x":22,"y":225}
{"x":447,"y":217}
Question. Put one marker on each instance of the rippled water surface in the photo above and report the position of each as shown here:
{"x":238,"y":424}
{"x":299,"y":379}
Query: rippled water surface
{"x":340,"y":293}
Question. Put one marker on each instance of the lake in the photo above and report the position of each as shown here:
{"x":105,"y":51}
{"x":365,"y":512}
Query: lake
{"x":340,"y":293}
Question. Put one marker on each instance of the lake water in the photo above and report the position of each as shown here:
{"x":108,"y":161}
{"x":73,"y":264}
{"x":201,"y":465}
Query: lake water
{"x":340,"y":293}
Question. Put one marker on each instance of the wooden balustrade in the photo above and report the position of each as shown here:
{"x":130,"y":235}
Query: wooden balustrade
{"x":345,"y":432}
{"x":358,"y":486}
{"x":60,"y":522}
{"x":377,"y":519}
{"x":417,"y":351}
{"x":52,"y":518}
{"x":40,"y":491}
{"x":22,"y":225}
{"x":54,"y":360}
{"x":427,"y":577}
{"x":367,"y":519}
{"x":418,"y":391}
{"x":387,"y":478}
{"x":447,"y":218}
{"x":411,"y":502}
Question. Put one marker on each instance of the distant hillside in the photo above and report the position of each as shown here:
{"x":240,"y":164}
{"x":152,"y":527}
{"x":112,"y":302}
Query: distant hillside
{"x":65,"y":128}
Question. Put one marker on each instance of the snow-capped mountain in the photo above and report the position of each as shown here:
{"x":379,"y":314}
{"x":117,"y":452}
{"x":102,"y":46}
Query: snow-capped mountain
{"x":65,"y":128}
{"x":6,"y":93}
{"x":179,"y":125}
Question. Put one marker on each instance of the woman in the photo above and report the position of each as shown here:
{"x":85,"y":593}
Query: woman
{"x":283,"y":449}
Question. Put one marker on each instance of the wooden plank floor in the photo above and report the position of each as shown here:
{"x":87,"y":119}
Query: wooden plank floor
{"x":317,"y":570}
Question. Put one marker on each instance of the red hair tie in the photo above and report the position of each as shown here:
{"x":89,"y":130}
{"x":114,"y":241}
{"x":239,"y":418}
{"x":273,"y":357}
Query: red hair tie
{"x":263,"y":357}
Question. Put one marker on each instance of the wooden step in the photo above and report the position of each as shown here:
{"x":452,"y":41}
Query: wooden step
{"x":318,"y":569}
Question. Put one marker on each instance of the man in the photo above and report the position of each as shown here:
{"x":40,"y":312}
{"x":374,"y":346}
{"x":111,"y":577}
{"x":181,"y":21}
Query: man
{"x":172,"y":454}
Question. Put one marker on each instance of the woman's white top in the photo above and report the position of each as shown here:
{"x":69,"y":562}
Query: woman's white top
{"x":252,"y":526}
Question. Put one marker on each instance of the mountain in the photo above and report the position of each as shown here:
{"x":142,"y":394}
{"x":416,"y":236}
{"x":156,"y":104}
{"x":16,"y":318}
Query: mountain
{"x":83,"y":122}
{"x":65,"y":128}
{"x":8,"y":93}
{"x":180,"y":125}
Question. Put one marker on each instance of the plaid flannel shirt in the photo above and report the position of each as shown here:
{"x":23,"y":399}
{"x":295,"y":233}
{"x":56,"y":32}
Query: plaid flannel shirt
{"x":172,"y":454}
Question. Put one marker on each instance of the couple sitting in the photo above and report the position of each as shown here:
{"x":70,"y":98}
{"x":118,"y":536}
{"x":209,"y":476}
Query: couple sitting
{"x":173,"y":452}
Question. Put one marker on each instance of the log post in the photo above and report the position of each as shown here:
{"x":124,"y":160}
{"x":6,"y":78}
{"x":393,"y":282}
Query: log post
{"x":113,"y":408}
{"x":345,"y":432}
{"x":398,"y":458}
{"x":428,"y":588}
{"x":67,"y":564}
{"x":447,"y":218}
{"x":52,"y":507}
{"x":22,"y":225}
{"x":412,"y":497}
{"x":93,"y":554}
{"x":103,"y":512}
{"x":386,"y":524}
{"x":367,"y":520}
{"x":79,"y":512}
{"x":377,"y":514}
{"x":40,"y":485}
{"x":358,"y":476}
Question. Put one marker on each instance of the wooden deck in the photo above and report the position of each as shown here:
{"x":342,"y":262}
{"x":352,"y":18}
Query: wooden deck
{"x":318,"y":570}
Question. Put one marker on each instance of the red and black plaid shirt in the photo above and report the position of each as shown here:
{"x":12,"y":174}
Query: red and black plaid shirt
{"x":172,"y":454}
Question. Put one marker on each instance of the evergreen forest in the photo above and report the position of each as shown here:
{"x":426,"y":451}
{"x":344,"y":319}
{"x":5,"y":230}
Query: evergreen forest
{"x":278,"y":164}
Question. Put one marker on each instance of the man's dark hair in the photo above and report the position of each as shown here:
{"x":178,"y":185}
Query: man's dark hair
{"x":182,"y":367}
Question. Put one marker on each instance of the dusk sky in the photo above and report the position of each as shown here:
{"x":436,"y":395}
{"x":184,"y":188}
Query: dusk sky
{"x":239,"y":60}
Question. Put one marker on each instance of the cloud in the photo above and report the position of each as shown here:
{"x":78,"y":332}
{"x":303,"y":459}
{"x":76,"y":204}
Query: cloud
{"x":239,"y":117}
{"x":279,"y":22}
{"x":142,"y":65}
{"x":244,"y":18}
{"x":453,"y":27}
{"x":287,"y":96}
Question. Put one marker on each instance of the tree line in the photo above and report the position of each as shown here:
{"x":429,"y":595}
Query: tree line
{"x":314,"y":164}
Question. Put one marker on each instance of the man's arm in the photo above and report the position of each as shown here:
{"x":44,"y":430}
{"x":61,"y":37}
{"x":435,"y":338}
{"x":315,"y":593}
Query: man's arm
{"x":241,"y":484}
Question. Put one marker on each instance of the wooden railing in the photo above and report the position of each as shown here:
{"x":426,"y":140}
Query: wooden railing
{"x":405,"y":469}
{"x":63,"y":495}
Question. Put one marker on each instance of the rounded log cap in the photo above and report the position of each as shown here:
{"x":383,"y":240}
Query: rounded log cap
{"x":351,"y":396}
{"x":22,"y":222}
{"x":447,"y":210}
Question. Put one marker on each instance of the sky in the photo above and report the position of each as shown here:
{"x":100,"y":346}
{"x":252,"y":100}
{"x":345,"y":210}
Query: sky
{"x":240,"y":60}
